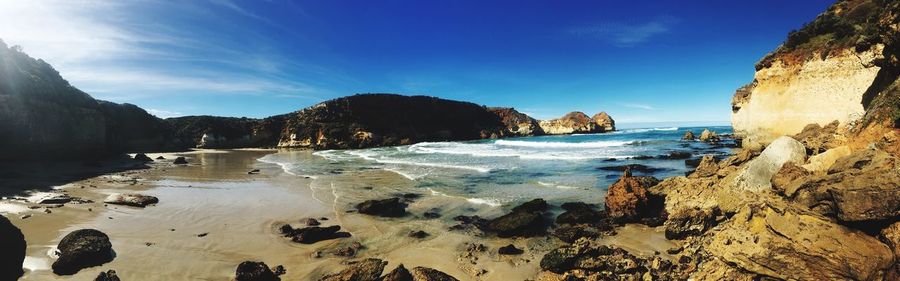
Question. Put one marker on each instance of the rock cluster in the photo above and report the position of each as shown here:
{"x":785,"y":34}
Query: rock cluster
{"x":578,"y":123}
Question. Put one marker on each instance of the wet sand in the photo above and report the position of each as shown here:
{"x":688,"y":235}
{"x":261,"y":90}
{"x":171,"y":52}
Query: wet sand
{"x":240,"y":214}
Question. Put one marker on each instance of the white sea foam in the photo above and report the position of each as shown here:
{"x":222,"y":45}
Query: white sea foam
{"x":492,"y":202}
{"x":593,"y":144}
{"x":547,"y":184}
{"x":374,"y":156}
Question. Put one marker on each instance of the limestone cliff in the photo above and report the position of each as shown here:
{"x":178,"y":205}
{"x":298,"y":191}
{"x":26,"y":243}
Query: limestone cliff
{"x":517,"y":123}
{"x":226,"y":132}
{"x":835,"y":68}
{"x":577,"y":122}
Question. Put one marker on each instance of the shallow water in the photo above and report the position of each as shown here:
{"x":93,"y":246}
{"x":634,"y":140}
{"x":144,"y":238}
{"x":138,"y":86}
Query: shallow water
{"x":492,"y":173}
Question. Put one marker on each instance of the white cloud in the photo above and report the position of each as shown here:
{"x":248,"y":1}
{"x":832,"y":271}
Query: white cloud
{"x":624,"y":34}
{"x":164,"y":113}
{"x":637,"y":106}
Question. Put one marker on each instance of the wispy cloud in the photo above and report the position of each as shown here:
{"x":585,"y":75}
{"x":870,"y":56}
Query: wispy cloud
{"x":624,"y":34}
{"x":637,"y":106}
{"x":164,"y":113}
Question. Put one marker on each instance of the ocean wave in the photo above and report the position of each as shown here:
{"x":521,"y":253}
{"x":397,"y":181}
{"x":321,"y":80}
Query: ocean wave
{"x":492,"y":202}
{"x":384,"y":160}
{"x":547,"y":184}
{"x":526,"y":151}
{"x":535,"y":144}
{"x":645,"y":130}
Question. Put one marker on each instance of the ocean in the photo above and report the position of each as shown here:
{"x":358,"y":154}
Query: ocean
{"x":500,"y":172}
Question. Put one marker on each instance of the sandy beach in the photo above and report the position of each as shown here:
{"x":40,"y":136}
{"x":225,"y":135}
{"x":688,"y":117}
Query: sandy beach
{"x":213,"y":215}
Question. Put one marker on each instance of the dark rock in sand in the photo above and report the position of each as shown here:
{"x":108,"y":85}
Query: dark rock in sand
{"x":142,"y":158}
{"x":131,"y":199}
{"x":572,"y":233}
{"x":13,"y":254}
{"x":583,"y":261}
{"x":253,"y":172}
{"x":160,"y":158}
{"x":578,"y":212}
{"x":391,"y":208}
{"x":398,"y":274}
{"x":81,"y":249}
{"x":313,"y":234}
{"x":310,"y":222}
{"x":254,"y":271}
{"x":180,"y":161}
{"x":431,"y":215}
{"x":418,"y":234}
{"x":633,"y":167}
{"x":524,"y":220}
{"x":509,"y":250}
{"x":469,"y":223}
{"x":367,"y":269}
{"x":109,"y":275}
{"x":429,"y":274}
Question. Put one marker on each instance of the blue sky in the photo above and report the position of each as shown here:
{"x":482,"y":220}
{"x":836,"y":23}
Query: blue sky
{"x":641,"y":61}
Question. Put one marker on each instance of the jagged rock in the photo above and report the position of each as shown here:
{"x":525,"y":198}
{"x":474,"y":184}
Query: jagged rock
{"x":757,"y":175}
{"x":788,"y":173}
{"x":572,"y":233}
{"x":788,"y":243}
{"x":313,"y":234}
{"x":739,"y":158}
{"x":254,"y":271}
{"x":639,"y":168}
{"x":817,"y":139}
{"x":707,"y":167}
{"x":604,"y":122}
{"x":688,"y":136}
{"x":429,"y":274}
{"x":310,"y":222}
{"x":517,"y":123}
{"x":509,"y":250}
{"x":142,"y":158}
{"x":708,"y":136}
{"x":864,"y":186}
{"x":891,"y":236}
{"x":13,"y":255}
{"x":131,"y":199}
{"x":160,"y":158}
{"x":584,"y":261}
{"x":81,"y":249}
{"x":627,"y":200}
{"x":398,"y":274}
{"x":690,"y":222}
{"x":571,"y":123}
{"x":367,"y":269}
{"x":109,"y":275}
{"x":180,"y":161}
{"x":525,"y":220}
{"x":822,"y":162}
{"x":392,"y":208}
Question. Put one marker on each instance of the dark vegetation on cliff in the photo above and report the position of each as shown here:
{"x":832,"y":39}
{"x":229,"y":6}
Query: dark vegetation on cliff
{"x":226,"y":132}
{"x":370,"y":120}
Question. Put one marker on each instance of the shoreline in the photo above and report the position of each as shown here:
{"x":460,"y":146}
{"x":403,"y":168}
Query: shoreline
{"x":240,"y":214}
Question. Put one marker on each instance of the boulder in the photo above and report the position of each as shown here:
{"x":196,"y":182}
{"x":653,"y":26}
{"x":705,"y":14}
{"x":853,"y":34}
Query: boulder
{"x":142,"y":158}
{"x":817,"y":139}
{"x":13,"y":255}
{"x":690,"y":222}
{"x":310,"y":222}
{"x":429,"y":274}
{"x":571,"y":123}
{"x":707,"y":167}
{"x":524,"y":220}
{"x":130,"y":199}
{"x":604,"y":122}
{"x":509,"y":250}
{"x":313,"y":234}
{"x":254,"y":271}
{"x":788,"y":243}
{"x":391,"y":208}
{"x":891,"y":236}
{"x":180,"y":161}
{"x":571,"y":233}
{"x":398,"y":274}
{"x":627,"y":200}
{"x":81,"y":249}
{"x":418,"y":234}
{"x":109,"y":275}
{"x":367,"y":269}
{"x":758,"y":174}
{"x":786,"y":176}
{"x":578,"y":212}
{"x":688,"y":136}
{"x":822,"y":162}
{"x":708,"y":136}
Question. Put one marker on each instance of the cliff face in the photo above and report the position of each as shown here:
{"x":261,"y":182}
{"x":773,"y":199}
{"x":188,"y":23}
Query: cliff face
{"x":372,"y":120}
{"x":43,"y":117}
{"x":578,"y":123}
{"x":517,"y":123}
{"x":834,"y":68}
{"x":225,"y":132}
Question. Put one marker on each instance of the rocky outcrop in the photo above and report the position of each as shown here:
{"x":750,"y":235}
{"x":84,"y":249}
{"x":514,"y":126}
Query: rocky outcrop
{"x":604,"y":122}
{"x":372,"y":120}
{"x":627,"y":200}
{"x":572,"y":123}
{"x":13,"y":255}
{"x":367,"y":269}
{"x":81,"y":249}
{"x":758,"y":175}
{"x":584,"y":260}
{"x":524,"y":220}
{"x":708,"y":136}
{"x":517,"y":123}
{"x":787,"y":243}
{"x":430,"y":274}
{"x":226,"y":132}
{"x":708,"y":167}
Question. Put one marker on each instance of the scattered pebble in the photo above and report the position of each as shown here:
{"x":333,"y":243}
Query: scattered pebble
{"x":203,"y":234}
{"x":25,"y":216}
